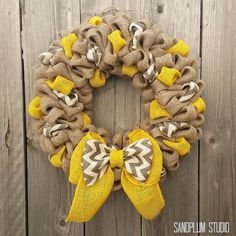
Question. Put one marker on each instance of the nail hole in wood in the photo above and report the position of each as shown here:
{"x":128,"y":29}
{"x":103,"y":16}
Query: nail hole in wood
{"x":212,"y":140}
{"x":62,"y":223}
{"x":160,"y":8}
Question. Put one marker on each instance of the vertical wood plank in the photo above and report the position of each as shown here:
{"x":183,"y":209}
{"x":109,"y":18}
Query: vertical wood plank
{"x":181,"y":19}
{"x":116,"y":108}
{"x":127,"y":114}
{"x":218,"y":165}
{"x":12,"y":164}
{"x":49,"y":192}
{"x":104,"y":102}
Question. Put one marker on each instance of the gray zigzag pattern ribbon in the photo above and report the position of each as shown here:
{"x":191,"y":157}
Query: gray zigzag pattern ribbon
{"x":70,"y":100}
{"x":45,"y":57}
{"x":135,"y":29}
{"x":151,"y":73}
{"x":94,"y":54}
{"x":137,"y":160}
{"x":191,"y":89}
{"x":51,"y":131}
{"x":168,"y":128}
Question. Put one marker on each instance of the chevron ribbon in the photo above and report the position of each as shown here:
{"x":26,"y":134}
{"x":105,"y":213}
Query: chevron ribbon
{"x":191,"y":89}
{"x":94,"y":54}
{"x":135,"y":29}
{"x":69,"y":100}
{"x":45,"y":57}
{"x":137,"y":160}
{"x":168,"y":128}
{"x":151,"y":72}
{"x":51,"y":131}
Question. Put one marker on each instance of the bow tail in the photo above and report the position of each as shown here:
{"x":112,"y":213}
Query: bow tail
{"x":88,"y":199}
{"x":146,"y":197}
{"x":148,"y":200}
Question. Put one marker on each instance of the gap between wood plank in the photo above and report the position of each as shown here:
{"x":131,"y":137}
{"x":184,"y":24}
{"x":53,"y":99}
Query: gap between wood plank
{"x":21,"y":11}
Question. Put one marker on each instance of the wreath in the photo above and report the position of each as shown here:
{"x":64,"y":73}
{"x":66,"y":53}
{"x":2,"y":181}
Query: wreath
{"x":84,"y":59}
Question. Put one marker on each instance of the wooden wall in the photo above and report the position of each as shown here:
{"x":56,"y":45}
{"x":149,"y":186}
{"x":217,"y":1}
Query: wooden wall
{"x":35,"y":197}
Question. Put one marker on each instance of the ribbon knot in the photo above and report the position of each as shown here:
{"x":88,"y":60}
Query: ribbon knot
{"x":116,"y":158}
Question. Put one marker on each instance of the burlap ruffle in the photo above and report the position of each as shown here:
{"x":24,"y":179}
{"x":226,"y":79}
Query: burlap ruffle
{"x":80,"y":70}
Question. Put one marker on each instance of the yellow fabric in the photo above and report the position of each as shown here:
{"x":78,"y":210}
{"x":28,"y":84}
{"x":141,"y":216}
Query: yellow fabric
{"x":61,"y":84}
{"x":181,"y":145}
{"x":129,"y":70}
{"x":180,"y":47}
{"x":87,"y":199}
{"x":67,"y":43}
{"x":116,"y":40}
{"x":168,"y":75}
{"x":146,"y":197}
{"x":86,"y":119}
{"x":34,"y":108}
{"x":156,"y":110}
{"x":98,"y":79}
{"x":200,"y":105}
{"x":116,"y":158}
{"x":96,"y":20}
{"x":56,"y":159}
{"x":75,"y":163}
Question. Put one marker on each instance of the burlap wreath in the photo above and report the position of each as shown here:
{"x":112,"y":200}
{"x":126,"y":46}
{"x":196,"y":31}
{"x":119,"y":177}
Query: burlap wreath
{"x":115,"y":44}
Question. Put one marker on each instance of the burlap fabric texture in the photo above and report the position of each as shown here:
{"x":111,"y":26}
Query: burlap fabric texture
{"x":85,"y":58}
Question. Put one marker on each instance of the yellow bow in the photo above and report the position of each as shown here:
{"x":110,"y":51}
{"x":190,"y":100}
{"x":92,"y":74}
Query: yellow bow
{"x":145,"y":196}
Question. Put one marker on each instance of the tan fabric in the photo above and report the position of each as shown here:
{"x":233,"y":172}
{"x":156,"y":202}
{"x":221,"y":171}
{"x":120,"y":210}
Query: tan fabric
{"x":150,"y":40}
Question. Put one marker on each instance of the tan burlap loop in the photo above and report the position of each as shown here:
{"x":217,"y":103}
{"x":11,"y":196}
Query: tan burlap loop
{"x":148,"y":94}
{"x":80,"y":46}
{"x":120,"y":140}
{"x":121,"y":23}
{"x":198,"y":121}
{"x":170,"y":157}
{"x":41,"y":88}
{"x":165,"y":41}
{"x":164,"y":60}
{"x":66,"y":157}
{"x":58,"y":69}
{"x":180,"y":62}
{"x":139,"y":81}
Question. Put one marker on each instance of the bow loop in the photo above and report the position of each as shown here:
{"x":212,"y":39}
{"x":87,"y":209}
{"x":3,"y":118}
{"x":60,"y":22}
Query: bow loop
{"x":136,"y":158}
{"x":94,"y":161}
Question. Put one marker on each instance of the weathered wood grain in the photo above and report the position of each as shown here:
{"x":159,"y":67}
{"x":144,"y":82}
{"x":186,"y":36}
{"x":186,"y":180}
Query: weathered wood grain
{"x":49,"y":193}
{"x":218,"y":164}
{"x":181,"y":19}
{"x":205,"y":182}
{"x":12,"y":163}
